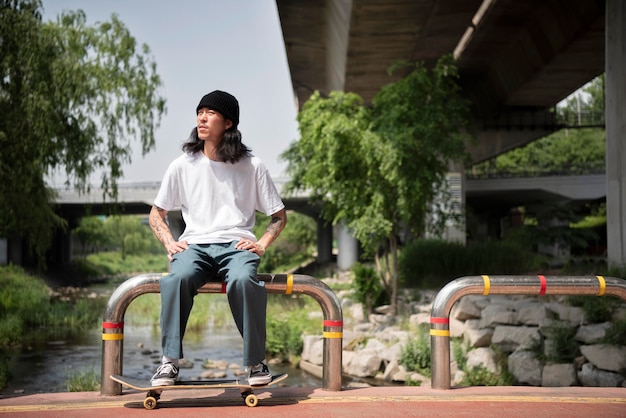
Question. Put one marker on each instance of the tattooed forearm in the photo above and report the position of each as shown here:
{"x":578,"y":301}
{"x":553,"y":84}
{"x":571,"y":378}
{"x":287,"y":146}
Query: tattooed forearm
{"x":159,"y":227}
{"x":275,"y":227}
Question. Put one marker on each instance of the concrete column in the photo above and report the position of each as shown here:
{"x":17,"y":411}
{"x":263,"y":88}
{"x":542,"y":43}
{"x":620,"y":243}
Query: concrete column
{"x":347,"y":248}
{"x":615,"y":108}
{"x":324,"y":241}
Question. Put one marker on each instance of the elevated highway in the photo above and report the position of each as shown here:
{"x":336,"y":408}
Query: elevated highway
{"x":493,"y":195}
{"x":517,"y":60}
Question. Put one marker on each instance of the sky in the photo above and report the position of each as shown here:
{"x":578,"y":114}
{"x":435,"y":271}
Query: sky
{"x":201,"y":46}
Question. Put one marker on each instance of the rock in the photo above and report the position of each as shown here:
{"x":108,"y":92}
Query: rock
{"x":420,"y":318}
{"x":533,"y":313}
{"x":478,"y":337}
{"x":525,"y":367}
{"x":390,"y":370}
{"x":592,"y":333}
{"x":465,"y":309}
{"x":494,"y":315}
{"x":572,"y":314}
{"x":313,"y":349}
{"x":606,"y":357}
{"x":512,"y":338}
{"x":362,"y":364}
{"x":482,"y":357}
{"x":559,"y":375}
{"x":589,"y":375}
{"x":512,"y":323}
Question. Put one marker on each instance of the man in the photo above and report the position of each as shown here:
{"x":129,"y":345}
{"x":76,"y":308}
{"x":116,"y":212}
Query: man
{"x":219,"y":185}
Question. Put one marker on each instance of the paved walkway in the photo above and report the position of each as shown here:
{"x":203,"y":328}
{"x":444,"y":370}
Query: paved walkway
{"x":507,"y":401}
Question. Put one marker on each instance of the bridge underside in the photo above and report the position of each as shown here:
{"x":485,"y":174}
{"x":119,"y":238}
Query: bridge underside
{"x":516,"y":59}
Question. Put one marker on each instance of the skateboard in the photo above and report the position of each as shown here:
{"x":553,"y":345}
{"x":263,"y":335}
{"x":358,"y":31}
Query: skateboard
{"x":154,"y":392}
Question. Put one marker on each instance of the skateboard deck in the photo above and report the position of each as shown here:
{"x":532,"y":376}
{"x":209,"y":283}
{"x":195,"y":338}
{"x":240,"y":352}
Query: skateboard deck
{"x":154,"y":392}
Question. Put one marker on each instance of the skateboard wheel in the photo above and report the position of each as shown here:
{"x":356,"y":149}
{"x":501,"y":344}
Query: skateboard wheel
{"x":150,"y":402}
{"x":251,"y":400}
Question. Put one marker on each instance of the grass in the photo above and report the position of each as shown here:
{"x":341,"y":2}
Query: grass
{"x":83,"y":380}
{"x":29,"y":315}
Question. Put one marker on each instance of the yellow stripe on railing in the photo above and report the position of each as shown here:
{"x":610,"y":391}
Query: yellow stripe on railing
{"x":440,"y":332}
{"x":487,"y":284}
{"x":112,"y":337}
{"x":602,"y":285}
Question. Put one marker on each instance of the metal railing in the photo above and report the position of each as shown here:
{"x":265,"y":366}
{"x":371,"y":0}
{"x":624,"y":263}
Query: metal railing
{"x":113,"y":321}
{"x":502,"y":285}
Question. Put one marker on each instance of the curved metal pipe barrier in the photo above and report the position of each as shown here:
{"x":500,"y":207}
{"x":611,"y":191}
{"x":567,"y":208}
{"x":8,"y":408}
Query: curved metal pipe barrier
{"x":502,"y":285}
{"x":113,"y":322}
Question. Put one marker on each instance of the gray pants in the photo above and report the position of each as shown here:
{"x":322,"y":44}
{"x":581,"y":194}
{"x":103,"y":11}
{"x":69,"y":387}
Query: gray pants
{"x":247,"y":296}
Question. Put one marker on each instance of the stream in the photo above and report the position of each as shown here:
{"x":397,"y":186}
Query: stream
{"x":45,"y":368}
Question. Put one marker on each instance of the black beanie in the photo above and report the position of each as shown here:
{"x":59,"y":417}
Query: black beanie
{"x":222,"y":102}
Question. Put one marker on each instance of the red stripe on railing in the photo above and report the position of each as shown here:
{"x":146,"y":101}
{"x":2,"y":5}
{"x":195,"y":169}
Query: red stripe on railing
{"x":542,"y":279}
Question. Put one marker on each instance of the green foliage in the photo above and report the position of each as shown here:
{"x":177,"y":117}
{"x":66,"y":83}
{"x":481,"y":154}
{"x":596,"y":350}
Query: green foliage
{"x":90,"y":231}
{"x":579,"y":151}
{"x":127,"y":233}
{"x":420,"y":121}
{"x":616,"y":334}
{"x":287,"y":320}
{"x":380,"y":171}
{"x":480,"y":376}
{"x":367,"y":287}
{"x":433,"y":263}
{"x":294,"y":246}
{"x":111,"y":263}
{"x":72,"y":97}
{"x":596,"y":309}
{"x":415,"y":354}
{"x":562,"y":347}
{"x":24,"y":301}
{"x":28,"y":314}
{"x":573,"y":151}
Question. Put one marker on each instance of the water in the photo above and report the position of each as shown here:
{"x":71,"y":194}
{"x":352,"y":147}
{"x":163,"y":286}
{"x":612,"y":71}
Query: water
{"x":45,"y":368}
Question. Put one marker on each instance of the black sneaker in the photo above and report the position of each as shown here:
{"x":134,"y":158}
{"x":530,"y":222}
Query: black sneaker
{"x":259,"y":375}
{"x":165,"y":375}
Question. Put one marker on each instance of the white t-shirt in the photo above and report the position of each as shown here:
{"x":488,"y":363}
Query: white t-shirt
{"x":218,"y":200}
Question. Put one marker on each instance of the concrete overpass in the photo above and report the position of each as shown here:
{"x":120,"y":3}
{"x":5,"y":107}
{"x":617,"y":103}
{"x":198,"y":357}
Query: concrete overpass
{"x":495,"y":195}
{"x":517,"y":60}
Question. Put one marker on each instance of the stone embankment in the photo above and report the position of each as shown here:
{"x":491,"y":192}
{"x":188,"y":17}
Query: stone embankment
{"x":513,"y":325}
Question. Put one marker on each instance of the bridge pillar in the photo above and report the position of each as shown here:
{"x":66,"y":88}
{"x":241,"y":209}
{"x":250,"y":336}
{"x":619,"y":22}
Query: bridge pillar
{"x":347,"y":248}
{"x":615,"y":67}
{"x":324,"y":241}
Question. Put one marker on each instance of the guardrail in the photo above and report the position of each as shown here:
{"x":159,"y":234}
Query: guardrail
{"x":113,"y":322}
{"x":502,"y":285}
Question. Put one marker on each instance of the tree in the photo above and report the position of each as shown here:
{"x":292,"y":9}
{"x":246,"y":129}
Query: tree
{"x":90,"y":231}
{"x":380,"y":170}
{"x":72,"y":97}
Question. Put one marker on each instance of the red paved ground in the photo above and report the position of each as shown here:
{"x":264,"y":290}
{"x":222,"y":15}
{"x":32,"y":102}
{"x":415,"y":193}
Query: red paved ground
{"x":376,"y":402}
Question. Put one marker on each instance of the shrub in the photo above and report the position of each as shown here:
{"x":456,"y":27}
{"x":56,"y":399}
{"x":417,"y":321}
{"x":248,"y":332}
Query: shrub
{"x":433,"y":263}
{"x":287,"y":320}
{"x":596,"y":309}
{"x":368,"y":288}
{"x":415,"y":354}
{"x":563,"y":347}
{"x":616,"y":334}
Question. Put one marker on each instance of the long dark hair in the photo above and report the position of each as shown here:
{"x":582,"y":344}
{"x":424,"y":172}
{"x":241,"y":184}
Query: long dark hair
{"x":229,"y":150}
